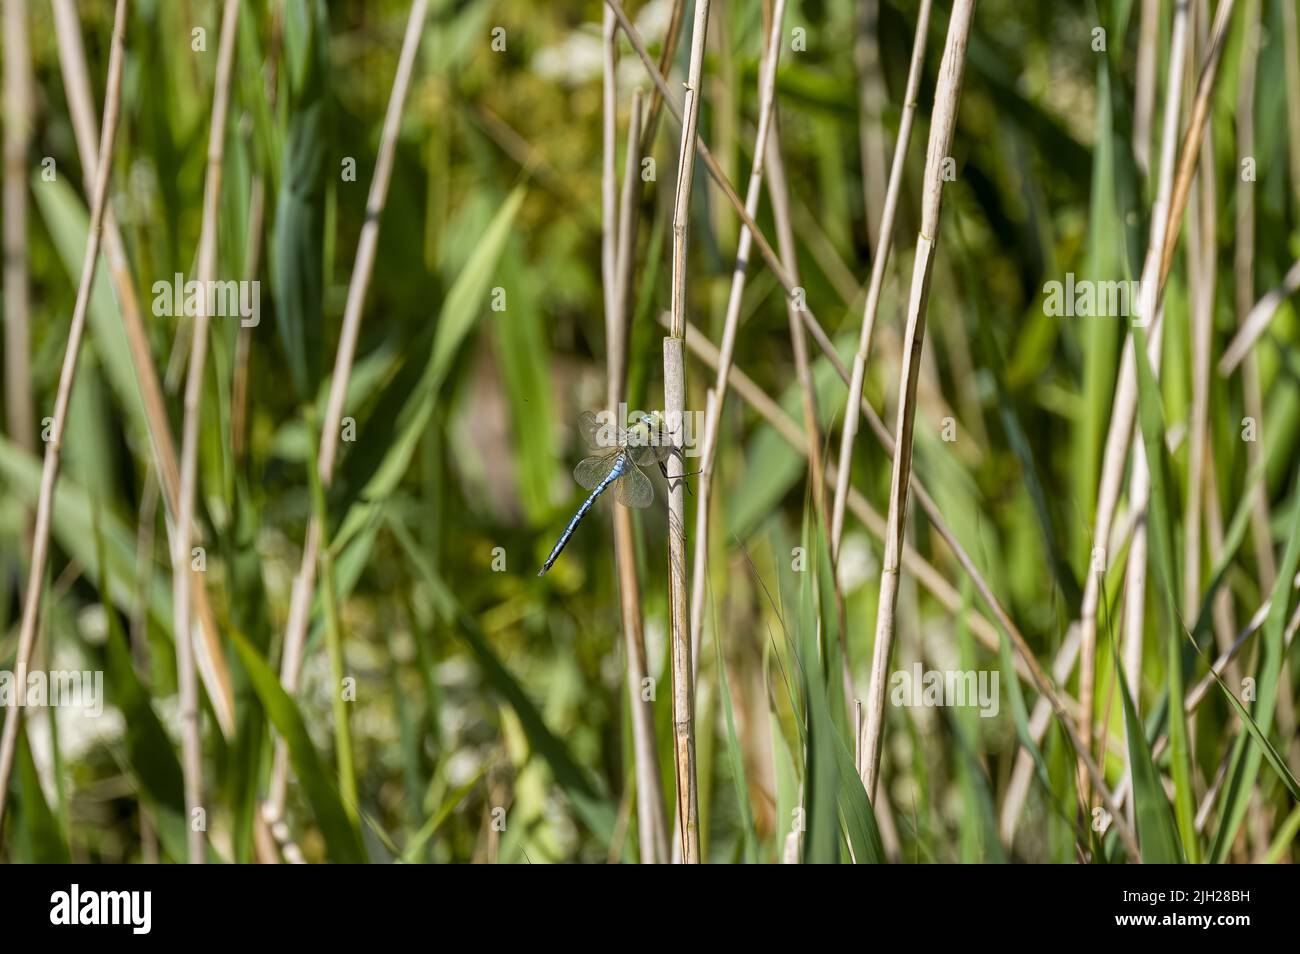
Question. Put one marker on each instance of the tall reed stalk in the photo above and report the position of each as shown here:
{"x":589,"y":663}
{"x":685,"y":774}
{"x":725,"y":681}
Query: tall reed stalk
{"x":730,"y":325}
{"x":363,"y":267}
{"x":674,"y":411}
{"x":17,"y":136}
{"x":943,"y":121}
{"x":884,"y":243}
{"x":191,"y":746}
{"x":618,"y":244}
{"x":67,"y":378}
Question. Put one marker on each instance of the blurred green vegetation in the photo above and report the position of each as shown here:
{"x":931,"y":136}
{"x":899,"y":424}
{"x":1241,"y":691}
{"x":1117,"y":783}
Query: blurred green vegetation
{"x":481,"y":687}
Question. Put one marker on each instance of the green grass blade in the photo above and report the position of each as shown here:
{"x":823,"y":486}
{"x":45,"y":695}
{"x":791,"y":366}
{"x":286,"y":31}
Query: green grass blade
{"x":1156,"y":830}
{"x":1160,"y":552}
{"x":342,"y":838}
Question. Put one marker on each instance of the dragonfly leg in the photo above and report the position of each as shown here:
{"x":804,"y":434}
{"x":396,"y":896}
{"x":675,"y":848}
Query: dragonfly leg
{"x":663,"y":469}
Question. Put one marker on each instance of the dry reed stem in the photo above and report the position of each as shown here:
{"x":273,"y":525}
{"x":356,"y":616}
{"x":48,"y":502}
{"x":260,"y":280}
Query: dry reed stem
{"x":872,"y":97}
{"x":17,"y":136}
{"x":780,"y":196}
{"x":653,"y":111}
{"x":609,"y":178}
{"x":76,"y":85}
{"x":652,"y":814}
{"x":674,"y":410}
{"x":305,"y":582}
{"x":67,"y":377}
{"x":1196,"y":123}
{"x":1144,"y":94}
{"x":1120,"y":431}
{"x":191,"y":745}
{"x":1135,"y":571}
{"x":1256,"y":322}
{"x":731,"y":322}
{"x":943,"y":123}
{"x":883,"y":245}
{"x":779,"y":193}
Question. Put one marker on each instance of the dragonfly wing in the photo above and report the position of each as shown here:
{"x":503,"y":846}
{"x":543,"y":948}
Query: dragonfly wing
{"x":599,"y":430}
{"x":592,"y":470}
{"x":644,"y":454}
{"x":634,"y":488}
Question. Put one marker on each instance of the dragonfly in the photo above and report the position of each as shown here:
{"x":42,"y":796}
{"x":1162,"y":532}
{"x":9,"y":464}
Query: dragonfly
{"x":619,"y":454}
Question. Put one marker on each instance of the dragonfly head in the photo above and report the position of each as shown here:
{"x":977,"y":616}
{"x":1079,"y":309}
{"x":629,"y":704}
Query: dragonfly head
{"x":644,"y":430}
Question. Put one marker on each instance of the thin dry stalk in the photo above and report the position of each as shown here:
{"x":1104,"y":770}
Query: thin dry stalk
{"x":674,"y":410}
{"x":884,"y":243}
{"x":76,"y":84}
{"x":1256,"y":322}
{"x":943,"y":122}
{"x":710,"y":162}
{"x":1201,"y":254}
{"x":17,"y":135}
{"x":1144,"y":94}
{"x":1135,"y":571}
{"x":652,"y":813}
{"x":1199,"y":118}
{"x":1120,"y":433}
{"x":780,"y":195}
{"x":609,"y":177}
{"x":651,"y":124}
{"x":779,"y":192}
{"x":629,"y":213}
{"x":731,"y":322}
{"x":304,"y":583}
{"x":871,"y":105}
{"x":67,"y":377}
{"x":191,"y":748}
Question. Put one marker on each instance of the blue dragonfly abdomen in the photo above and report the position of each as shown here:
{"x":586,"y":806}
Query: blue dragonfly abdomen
{"x":616,"y":471}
